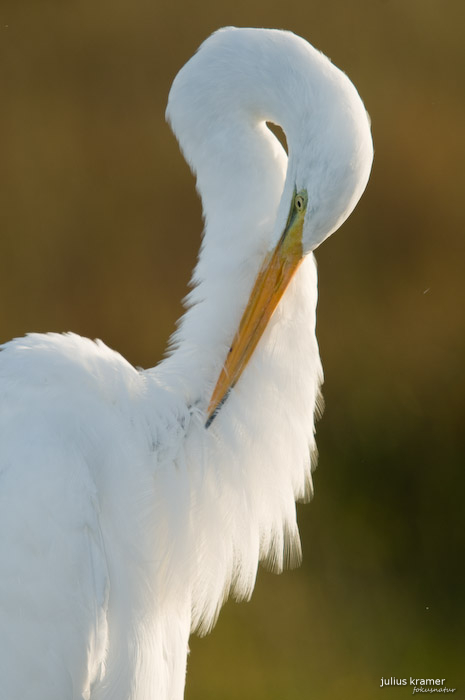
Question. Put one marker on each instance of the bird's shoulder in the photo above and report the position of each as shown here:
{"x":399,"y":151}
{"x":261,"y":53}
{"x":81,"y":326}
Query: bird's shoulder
{"x":54,"y":361}
{"x":66,"y":383}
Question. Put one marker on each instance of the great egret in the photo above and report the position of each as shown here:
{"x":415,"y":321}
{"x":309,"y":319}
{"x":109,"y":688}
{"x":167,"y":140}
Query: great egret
{"x":127,"y":514}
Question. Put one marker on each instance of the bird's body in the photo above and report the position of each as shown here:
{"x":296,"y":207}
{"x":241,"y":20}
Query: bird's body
{"x":125,"y":522}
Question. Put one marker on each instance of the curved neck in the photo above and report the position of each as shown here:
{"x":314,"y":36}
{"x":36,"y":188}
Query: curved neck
{"x":240,"y":205}
{"x":219,"y":117}
{"x":247,"y":469}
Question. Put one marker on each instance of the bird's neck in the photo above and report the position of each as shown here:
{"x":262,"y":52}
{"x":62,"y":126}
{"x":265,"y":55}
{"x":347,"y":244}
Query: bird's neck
{"x":240,"y":211}
{"x":249,"y":466}
{"x":217,"y":108}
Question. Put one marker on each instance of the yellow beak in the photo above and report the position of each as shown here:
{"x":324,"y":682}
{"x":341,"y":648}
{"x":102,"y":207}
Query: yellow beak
{"x":272,"y":280}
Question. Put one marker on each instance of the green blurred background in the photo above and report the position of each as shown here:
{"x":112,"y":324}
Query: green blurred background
{"x":100,"y":226}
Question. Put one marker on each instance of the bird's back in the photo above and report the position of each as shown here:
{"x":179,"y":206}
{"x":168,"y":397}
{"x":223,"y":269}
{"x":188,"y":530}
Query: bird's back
{"x":79,"y":455}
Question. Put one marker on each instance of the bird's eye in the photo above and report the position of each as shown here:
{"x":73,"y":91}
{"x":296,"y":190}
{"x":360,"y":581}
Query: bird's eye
{"x":299,"y":202}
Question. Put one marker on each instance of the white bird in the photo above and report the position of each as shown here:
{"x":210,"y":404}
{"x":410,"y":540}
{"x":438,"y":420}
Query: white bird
{"x":127,"y":514}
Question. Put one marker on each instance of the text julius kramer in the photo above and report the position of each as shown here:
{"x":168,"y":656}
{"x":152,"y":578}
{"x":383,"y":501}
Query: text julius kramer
{"x":424,"y":684}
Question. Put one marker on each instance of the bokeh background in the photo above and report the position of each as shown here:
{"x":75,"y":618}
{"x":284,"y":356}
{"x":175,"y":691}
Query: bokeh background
{"x":100,"y":227}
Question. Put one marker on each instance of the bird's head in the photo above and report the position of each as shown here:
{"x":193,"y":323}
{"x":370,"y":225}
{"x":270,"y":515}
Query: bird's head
{"x":329,"y":169}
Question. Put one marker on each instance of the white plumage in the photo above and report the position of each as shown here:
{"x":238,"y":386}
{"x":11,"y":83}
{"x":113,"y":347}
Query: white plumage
{"x":124,"y":521}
